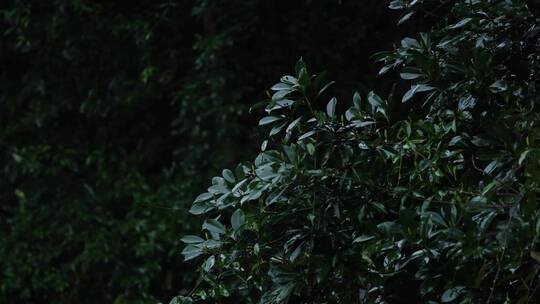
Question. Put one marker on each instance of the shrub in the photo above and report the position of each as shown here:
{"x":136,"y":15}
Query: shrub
{"x":428,"y":195}
{"x":110,"y":112}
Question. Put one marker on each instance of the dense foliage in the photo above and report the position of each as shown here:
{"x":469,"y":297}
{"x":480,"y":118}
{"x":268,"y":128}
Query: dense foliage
{"x":428,"y":195}
{"x":111,"y":115}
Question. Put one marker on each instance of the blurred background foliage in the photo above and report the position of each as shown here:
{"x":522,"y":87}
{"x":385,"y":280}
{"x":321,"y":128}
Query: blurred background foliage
{"x":114,"y":114}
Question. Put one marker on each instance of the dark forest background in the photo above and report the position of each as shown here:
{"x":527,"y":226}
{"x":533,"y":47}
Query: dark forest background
{"x":115,"y":114}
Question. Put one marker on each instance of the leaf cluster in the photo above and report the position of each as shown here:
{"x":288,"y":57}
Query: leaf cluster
{"x":366,"y":206}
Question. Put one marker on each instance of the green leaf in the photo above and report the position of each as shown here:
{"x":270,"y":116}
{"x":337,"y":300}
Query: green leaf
{"x":363,"y":238}
{"x":389,"y":228}
{"x":467,"y":102}
{"x":491,"y":167}
{"x":306,"y":135}
{"x":296,"y":253}
{"x":310,"y":148}
{"x":269,"y":119}
{"x":498,"y":86}
{"x":200,"y":208}
{"x":480,"y":142}
{"x":489,"y":187}
{"x":461,"y":23}
{"x":405,"y":17}
{"x":229,"y":176}
{"x":276,"y":129}
{"x":214,"y":225}
{"x":181,"y":300}
{"x":281,"y":86}
{"x":209,"y":263}
{"x":279,"y":95}
{"x":303,"y":78}
{"x":376,"y":103}
{"x":374,"y":100}
{"x":299,"y":66}
{"x":321,"y":91}
{"x":293,"y":124}
{"x":417,"y":88}
{"x":251,"y":196}
{"x":479,"y":199}
{"x":288,"y":79}
{"x":396,"y":5}
{"x":451,"y":294}
{"x":361,"y":124}
{"x":238,"y":219}
{"x":357,"y":100}
{"x":290,"y":151}
{"x":279,"y":104}
{"x":411,"y":73}
{"x":203,"y":197}
{"x":436,"y":218}
{"x":350,"y":114}
{"x":523,"y":156}
{"x":385,"y":69}
{"x":410,"y":43}
{"x":277,"y":295}
{"x":192,"y":239}
{"x":191,"y":252}
{"x":486,"y":219}
{"x":331,"y":107}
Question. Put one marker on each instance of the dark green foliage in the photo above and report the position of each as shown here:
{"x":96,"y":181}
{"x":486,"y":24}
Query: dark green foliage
{"x":113,"y":114}
{"x":428,"y":195}
{"x":89,"y":183}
